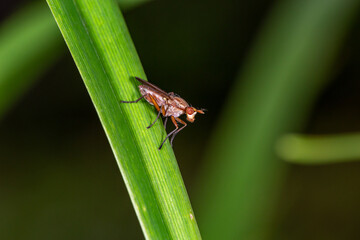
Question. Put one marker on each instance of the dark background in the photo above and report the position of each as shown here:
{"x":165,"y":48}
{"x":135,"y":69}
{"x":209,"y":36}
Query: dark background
{"x":59,"y":179}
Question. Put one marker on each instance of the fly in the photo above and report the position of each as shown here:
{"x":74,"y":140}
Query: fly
{"x":170,"y":105}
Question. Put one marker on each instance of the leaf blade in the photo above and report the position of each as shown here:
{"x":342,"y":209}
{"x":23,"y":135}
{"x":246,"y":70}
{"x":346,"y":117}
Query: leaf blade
{"x":98,"y":39}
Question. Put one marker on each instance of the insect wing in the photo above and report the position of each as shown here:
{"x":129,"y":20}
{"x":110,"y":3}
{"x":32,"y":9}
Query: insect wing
{"x":153,"y":87}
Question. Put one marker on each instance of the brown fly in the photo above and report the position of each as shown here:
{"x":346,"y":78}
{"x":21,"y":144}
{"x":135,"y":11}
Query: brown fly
{"x":169,"y":105}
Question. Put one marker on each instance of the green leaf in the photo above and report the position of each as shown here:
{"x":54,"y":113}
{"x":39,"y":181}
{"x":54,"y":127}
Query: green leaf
{"x":319,"y":149}
{"x":100,"y":44}
{"x":286,"y":70}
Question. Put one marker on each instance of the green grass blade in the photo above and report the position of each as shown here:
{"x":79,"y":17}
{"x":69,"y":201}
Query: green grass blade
{"x":29,"y":44}
{"x":100,"y":44}
{"x":285,"y":71}
{"x":319,"y":149}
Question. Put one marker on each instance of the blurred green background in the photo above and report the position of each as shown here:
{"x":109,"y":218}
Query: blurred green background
{"x":58,"y":177}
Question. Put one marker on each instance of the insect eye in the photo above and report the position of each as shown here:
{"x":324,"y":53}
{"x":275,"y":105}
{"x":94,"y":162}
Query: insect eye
{"x":189,"y":110}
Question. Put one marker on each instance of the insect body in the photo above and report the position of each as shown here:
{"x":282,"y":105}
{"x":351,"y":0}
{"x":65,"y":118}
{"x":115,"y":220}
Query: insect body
{"x":167,"y":104}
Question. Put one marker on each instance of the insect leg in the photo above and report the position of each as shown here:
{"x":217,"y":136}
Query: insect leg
{"x":155,"y":120}
{"x":165,"y":122}
{"x":154,"y":102}
{"x":134,"y":101}
{"x":157,"y":108}
{"x":164,"y":114}
{"x":176,"y":128}
{"x":184,"y":125}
